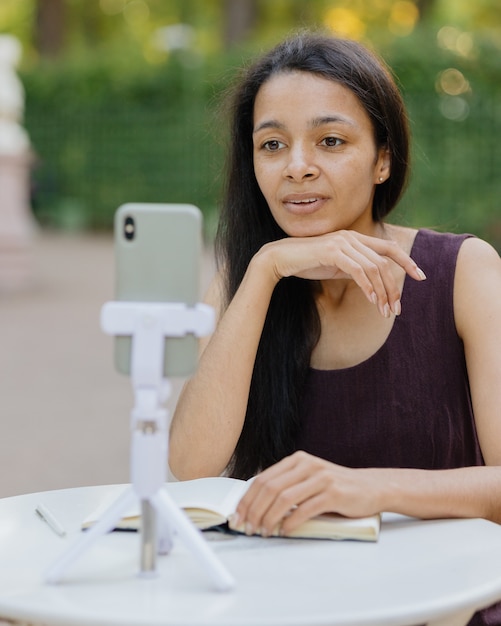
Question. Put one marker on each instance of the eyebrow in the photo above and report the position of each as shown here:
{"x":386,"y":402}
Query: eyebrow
{"x":269,"y":124}
{"x":331,"y":119}
{"x":315,"y":122}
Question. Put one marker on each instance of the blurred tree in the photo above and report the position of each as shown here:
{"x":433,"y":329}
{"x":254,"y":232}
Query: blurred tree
{"x":50,"y":27}
{"x":57,"y":27}
{"x":425,"y":8}
{"x":240,"y":17}
{"x":136,"y":82}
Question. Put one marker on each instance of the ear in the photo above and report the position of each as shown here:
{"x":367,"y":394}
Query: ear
{"x":382,"y":170}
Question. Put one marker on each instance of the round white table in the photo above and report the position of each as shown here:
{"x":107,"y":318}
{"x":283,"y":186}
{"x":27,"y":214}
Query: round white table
{"x":418,"y":572}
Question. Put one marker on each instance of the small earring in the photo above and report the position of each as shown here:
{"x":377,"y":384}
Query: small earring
{"x":381,"y":179}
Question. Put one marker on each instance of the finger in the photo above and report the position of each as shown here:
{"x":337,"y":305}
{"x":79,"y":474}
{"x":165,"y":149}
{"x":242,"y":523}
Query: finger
{"x":367,"y":271}
{"x":326,"y":491}
{"x":306,"y":496}
{"x":267,"y":486}
{"x":259,"y":496}
{"x":301,"y":477}
{"x":305,"y":511}
{"x":373,"y":275}
{"x":386,"y":254}
{"x":380,"y":273}
{"x":255,"y":505}
{"x":392,"y":250}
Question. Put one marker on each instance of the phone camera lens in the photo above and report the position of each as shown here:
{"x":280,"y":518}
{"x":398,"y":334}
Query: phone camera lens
{"x":129,"y":228}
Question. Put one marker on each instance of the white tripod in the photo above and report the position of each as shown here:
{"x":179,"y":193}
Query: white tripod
{"x":148,"y":324}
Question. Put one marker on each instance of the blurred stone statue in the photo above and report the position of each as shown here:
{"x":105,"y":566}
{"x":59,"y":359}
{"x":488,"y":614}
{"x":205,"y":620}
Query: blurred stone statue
{"x":16,"y":219}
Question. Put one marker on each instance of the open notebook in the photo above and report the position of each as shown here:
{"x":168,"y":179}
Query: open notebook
{"x":210,"y":502}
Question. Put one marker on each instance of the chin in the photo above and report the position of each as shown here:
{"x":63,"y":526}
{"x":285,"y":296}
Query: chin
{"x":307,"y":230}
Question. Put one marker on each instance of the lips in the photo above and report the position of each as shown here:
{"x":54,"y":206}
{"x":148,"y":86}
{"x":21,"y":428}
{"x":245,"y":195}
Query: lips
{"x":308,"y":201}
{"x":303,"y":203}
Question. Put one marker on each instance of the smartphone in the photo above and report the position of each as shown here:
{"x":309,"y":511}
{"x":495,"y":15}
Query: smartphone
{"x":157,"y":259}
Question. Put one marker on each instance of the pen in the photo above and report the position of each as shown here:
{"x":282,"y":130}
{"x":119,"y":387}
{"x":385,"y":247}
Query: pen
{"x":48,"y":517}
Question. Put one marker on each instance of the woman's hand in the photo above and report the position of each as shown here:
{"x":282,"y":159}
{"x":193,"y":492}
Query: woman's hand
{"x":302,"y":486}
{"x":369,"y":261}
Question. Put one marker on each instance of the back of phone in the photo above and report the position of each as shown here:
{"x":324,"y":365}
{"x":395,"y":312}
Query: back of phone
{"x":157,"y":252}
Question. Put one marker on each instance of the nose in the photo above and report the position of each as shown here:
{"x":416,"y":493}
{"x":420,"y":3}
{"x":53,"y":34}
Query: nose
{"x":300,"y":164}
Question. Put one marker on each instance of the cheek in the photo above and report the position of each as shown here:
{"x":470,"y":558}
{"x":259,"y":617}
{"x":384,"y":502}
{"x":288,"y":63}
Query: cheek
{"x":358,"y":178}
{"x":264,"y":177}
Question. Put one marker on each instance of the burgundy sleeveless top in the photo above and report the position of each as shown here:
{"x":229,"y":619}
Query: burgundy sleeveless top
{"x":409,"y":404}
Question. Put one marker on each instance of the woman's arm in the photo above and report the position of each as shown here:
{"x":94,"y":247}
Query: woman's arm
{"x":211,"y":409}
{"x":477,"y":307}
{"x":315,"y":486}
{"x":309,"y":486}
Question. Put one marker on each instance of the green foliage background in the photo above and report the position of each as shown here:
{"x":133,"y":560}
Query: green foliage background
{"x":455,"y":183}
{"x":109,"y":128}
{"x":103,"y":137}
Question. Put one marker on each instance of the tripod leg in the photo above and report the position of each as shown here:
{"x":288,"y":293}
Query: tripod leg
{"x":165,"y":536}
{"x":168,"y":510}
{"x":87,"y":538}
{"x":148,"y":539}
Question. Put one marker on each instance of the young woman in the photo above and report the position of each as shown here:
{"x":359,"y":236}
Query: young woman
{"x":356,"y":365}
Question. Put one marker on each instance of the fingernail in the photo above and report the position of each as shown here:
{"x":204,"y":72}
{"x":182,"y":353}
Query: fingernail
{"x":397,"y":307}
{"x":249,"y":528}
{"x":264,"y":532}
{"x":373,"y":297}
{"x":235,"y":520}
{"x":421,"y":274}
{"x":386,"y":310}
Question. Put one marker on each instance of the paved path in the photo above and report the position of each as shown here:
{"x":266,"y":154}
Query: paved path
{"x":64,"y":412}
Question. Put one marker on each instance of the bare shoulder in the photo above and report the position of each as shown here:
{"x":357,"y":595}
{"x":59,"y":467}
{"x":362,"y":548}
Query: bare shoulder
{"x":475,"y":249}
{"x":477,"y":285}
{"x":477,"y":261}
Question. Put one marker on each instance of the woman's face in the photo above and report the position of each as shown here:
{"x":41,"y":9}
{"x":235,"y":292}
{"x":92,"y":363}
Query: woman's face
{"x":315,"y":157}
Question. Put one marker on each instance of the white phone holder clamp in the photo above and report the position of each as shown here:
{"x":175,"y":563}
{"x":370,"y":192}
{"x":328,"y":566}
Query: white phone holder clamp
{"x":148,"y":324}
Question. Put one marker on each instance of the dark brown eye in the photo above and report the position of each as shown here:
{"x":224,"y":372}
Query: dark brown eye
{"x":273,"y":145}
{"x":332,"y":142}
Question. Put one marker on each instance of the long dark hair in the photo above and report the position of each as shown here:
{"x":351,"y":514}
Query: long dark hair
{"x":292,"y":326}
